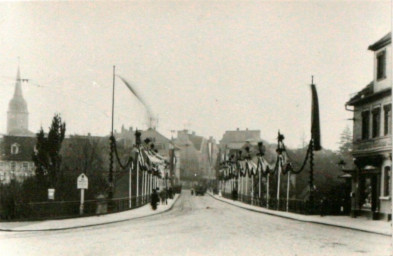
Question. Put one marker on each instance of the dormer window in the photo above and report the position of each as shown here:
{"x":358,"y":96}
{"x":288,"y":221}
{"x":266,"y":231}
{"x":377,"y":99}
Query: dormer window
{"x":15,"y":148}
{"x":381,"y":65}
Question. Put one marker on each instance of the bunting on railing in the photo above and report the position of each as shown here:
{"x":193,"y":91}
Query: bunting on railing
{"x":152,"y":162}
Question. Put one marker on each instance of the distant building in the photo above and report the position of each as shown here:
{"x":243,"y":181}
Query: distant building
{"x":198,"y":156}
{"x":16,"y":158}
{"x":164,"y":146}
{"x":161,"y":143}
{"x":126,"y":138}
{"x":233,"y":141}
{"x":372,"y":138}
{"x":17,"y":146}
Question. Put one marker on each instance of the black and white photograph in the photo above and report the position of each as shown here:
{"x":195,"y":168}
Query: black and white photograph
{"x":196,"y":128}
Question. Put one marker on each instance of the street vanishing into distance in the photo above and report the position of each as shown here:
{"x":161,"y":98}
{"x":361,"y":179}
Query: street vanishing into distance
{"x":199,"y":225}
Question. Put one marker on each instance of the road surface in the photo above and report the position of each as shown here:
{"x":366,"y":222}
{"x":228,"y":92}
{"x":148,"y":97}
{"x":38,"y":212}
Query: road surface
{"x":199,"y":226}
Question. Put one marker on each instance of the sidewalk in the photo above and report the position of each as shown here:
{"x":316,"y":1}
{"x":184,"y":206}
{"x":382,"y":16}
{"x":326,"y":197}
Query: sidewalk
{"x":51,"y":225}
{"x":361,"y":224}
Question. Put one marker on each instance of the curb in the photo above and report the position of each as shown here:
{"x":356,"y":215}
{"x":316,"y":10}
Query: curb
{"x":301,"y":220}
{"x":93,"y":225}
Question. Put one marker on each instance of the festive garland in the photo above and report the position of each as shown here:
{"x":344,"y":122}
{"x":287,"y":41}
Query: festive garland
{"x":245,"y":167}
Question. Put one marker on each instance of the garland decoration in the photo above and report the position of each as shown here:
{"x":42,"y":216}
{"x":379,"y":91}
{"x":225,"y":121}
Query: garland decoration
{"x":114,"y":149}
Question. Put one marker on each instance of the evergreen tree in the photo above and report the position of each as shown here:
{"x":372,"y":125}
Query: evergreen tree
{"x":47,"y":156}
{"x":345,"y":141}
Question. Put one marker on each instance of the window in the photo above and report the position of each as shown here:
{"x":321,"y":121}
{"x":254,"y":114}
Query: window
{"x":381,"y":65}
{"x":25,"y":167}
{"x":387,"y":119}
{"x":14,"y":148}
{"x":376,"y":121}
{"x":13,"y":167}
{"x":387,"y":181}
{"x":365,"y":124}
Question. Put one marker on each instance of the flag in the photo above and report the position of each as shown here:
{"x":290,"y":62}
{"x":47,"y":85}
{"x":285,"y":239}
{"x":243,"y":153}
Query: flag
{"x":315,"y":126}
{"x":136,"y":94}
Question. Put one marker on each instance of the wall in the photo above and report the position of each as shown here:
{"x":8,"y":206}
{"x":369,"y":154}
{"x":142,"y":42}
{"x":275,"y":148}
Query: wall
{"x":20,"y":172}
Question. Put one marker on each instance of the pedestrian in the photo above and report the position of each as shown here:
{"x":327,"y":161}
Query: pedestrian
{"x":170,"y":193}
{"x":163,"y":195}
{"x":323,"y":206}
{"x":154,"y":200}
{"x":234,"y":194}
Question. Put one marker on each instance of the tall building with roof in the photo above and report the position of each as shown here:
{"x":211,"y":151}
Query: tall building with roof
{"x":372,"y":138}
{"x":17,"y":146}
{"x":18,"y":115}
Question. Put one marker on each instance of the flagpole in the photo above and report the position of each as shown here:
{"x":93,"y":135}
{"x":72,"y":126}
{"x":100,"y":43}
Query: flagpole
{"x":137,"y":177}
{"x":110,"y":177}
{"x":278,"y":183}
{"x":252,"y":189}
{"x":246,"y":185}
{"x":267,"y":190}
{"x":289,"y":177}
{"x":130,"y":188}
{"x":259,"y":185}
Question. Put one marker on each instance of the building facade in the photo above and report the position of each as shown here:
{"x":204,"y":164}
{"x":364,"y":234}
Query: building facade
{"x":236,"y":140}
{"x":372,"y":139}
{"x":198,"y":157}
{"x":16,"y":158}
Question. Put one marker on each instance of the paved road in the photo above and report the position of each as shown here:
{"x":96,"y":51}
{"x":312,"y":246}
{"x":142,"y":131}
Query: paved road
{"x":199,"y":226}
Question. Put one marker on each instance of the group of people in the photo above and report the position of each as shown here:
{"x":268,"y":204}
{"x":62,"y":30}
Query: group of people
{"x":162,"y":196}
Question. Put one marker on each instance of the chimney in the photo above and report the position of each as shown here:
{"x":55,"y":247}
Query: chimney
{"x":237,"y":129}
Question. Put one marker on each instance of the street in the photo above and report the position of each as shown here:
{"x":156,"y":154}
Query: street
{"x":199,"y":226}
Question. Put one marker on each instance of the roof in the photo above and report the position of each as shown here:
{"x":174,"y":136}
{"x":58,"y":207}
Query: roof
{"x":387,"y":39}
{"x":152,"y":133}
{"x":368,"y":90}
{"x":241,"y":136}
{"x":367,"y":94}
{"x":21,"y":132}
{"x":26,"y":148}
{"x":196,"y":140}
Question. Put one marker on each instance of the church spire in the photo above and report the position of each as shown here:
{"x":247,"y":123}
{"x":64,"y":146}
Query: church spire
{"x":18,"y":85}
{"x":17,"y":115}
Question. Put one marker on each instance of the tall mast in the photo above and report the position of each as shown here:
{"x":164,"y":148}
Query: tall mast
{"x":110,"y":175}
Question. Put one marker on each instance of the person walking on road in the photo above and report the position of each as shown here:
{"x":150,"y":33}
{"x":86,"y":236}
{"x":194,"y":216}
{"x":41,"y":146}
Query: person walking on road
{"x":154,"y":200}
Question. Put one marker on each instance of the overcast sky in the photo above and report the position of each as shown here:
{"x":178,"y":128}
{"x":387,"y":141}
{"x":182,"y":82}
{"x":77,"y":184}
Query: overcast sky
{"x":206,"y":66}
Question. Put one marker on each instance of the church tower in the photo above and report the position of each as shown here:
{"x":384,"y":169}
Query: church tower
{"x":17,"y":115}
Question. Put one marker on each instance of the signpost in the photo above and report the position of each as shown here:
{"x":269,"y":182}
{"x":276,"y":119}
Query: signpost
{"x":82,"y":184}
{"x":51,"y":193}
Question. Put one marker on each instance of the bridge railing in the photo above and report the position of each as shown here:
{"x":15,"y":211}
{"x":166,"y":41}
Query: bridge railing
{"x":332,"y":206}
{"x":70,"y":209}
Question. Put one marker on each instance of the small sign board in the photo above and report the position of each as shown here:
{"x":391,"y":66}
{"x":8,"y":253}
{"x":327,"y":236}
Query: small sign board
{"x":82,"y":182}
{"x":51,"y":193}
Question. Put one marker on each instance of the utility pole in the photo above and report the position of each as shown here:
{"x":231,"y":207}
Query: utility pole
{"x":110,"y":177}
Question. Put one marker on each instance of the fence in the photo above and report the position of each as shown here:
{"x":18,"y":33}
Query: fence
{"x":70,"y":209}
{"x":331,"y":206}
